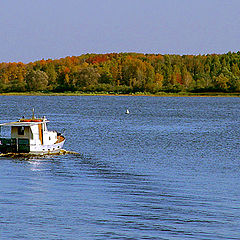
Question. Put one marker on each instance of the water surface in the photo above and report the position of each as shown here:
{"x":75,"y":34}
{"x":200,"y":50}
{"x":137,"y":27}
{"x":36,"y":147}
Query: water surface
{"x":168,"y":170}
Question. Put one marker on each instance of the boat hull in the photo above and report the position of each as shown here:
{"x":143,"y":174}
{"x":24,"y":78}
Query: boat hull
{"x":46,"y":149}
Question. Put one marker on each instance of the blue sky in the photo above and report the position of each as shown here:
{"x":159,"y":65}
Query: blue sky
{"x":34,"y":29}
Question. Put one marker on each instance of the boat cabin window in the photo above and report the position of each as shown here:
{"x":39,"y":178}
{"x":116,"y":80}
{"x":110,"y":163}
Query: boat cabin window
{"x":20,"y":130}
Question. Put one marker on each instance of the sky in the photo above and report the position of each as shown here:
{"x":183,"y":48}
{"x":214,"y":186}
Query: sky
{"x":32,"y":30}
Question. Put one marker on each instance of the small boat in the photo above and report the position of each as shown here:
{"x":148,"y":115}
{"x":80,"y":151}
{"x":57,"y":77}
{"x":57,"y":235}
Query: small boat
{"x":31,"y":136}
{"x":127,"y":111}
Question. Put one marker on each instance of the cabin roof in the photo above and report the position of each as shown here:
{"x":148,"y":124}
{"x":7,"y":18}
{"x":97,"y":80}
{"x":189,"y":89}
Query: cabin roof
{"x":21,"y":124}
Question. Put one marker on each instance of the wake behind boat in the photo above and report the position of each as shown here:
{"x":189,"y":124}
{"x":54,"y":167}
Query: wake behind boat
{"x":31,"y":136}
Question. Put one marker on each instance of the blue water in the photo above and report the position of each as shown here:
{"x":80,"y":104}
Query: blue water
{"x":168,"y":170}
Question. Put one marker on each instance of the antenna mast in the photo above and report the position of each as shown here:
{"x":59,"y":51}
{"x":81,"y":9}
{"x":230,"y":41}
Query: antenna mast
{"x":33,"y":114}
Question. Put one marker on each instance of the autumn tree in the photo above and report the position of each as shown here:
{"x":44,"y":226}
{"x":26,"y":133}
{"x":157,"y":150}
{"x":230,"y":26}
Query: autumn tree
{"x":125,"y":72}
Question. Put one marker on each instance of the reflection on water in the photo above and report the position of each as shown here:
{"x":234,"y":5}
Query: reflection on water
{"x":168,"y":170}
{"x":35,"y":165}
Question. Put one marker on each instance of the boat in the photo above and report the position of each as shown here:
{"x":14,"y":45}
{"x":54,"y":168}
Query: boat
{"x":127,"y":111}
{"x":31,"y":136}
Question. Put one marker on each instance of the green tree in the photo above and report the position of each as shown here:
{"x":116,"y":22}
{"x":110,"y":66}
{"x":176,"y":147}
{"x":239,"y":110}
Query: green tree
{"x":216,"y":66}
{"x":52,"y":76}
{"x":86,"y":77}
{"x":186,"y":78}
{"x":221,"y":82}
{"x":36,"y":80}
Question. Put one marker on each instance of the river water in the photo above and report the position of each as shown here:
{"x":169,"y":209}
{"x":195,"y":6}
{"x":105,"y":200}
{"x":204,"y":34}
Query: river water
{"x":168,"y":170}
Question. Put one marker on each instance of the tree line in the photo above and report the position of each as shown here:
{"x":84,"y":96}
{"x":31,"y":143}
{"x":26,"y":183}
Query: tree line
{"x":125,"y":73}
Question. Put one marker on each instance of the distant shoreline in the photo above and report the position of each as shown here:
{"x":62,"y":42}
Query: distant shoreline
{"x":163,"y":94}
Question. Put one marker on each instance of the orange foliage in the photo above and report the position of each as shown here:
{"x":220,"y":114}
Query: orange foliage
{"x":97,"y":59}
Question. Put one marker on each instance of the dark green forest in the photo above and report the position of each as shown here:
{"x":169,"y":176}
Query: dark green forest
{"x":125,"y":73}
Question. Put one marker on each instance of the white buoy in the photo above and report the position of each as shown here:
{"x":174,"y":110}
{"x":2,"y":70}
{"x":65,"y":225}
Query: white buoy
{"x":127,"y":111}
